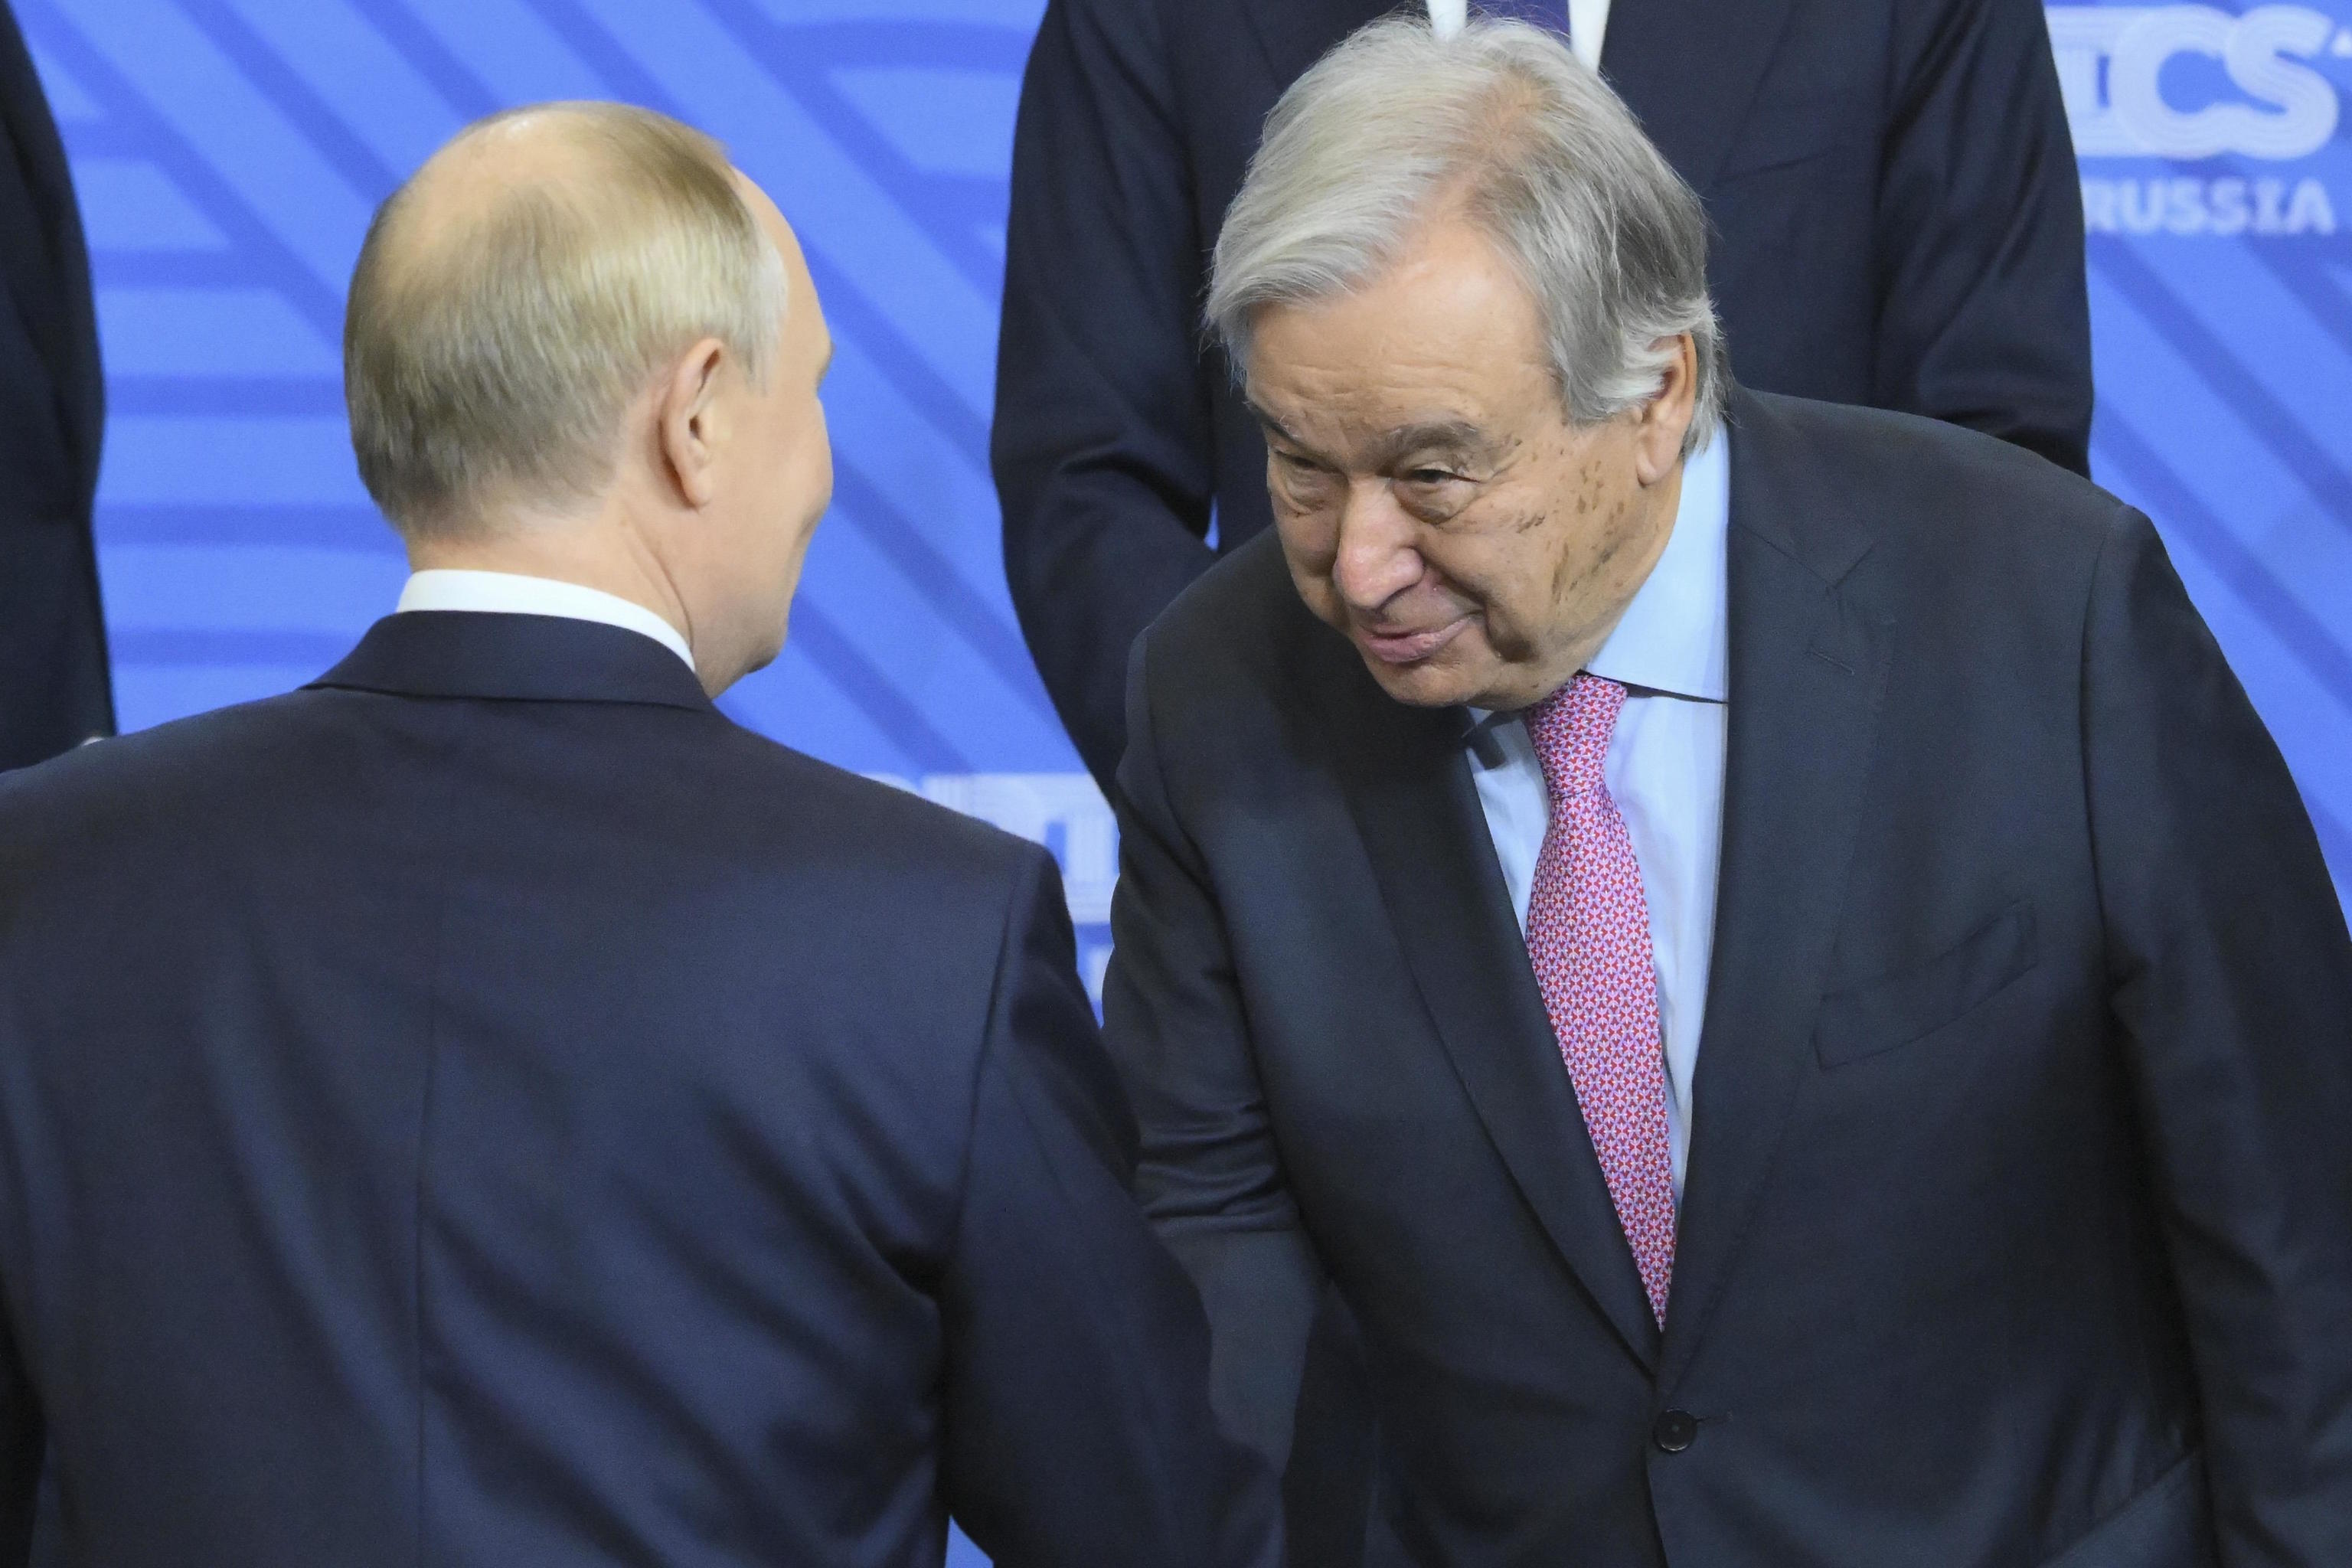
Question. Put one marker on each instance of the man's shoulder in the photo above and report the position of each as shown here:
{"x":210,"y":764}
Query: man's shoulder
{"x":1933,"y":498}
{"x":233,"y":773}
{"x":129,"y":776}
{"x":819,"y":803}
{"x":1243,"y":623}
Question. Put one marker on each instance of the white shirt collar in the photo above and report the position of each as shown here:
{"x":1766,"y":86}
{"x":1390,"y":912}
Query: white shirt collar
{"x":1587,"y":20}
{"x":1675,"y":635}
{"x":513,"y":594}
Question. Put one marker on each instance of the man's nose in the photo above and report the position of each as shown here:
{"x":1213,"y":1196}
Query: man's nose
{"x":1376,"y":559}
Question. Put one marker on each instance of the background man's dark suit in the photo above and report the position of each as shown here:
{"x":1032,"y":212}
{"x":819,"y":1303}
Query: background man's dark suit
{"x":1891,"y":180}
{"x":54,"y":692}
{"x":2019,"y":1217}
{"x":488,"y":1106}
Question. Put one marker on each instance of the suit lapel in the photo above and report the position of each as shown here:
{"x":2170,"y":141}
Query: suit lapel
{"x":1409,"y":786}
{"x":1809,"y":666}
{"x":1690,"y":69}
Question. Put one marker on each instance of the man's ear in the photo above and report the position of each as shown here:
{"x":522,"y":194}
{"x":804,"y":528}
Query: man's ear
{"x":690,"y":420}
{"x":1664,"y":420}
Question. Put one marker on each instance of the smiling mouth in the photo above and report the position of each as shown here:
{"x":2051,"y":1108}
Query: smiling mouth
{"x":1408,"y":647}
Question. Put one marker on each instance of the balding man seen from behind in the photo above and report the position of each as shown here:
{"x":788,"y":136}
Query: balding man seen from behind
{"x":519,"y":1116}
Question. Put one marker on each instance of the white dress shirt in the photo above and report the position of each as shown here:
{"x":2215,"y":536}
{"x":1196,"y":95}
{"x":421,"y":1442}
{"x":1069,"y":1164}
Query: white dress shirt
{"x":1664,"y":769}
{"x":512,"y":594}
{"x":1587,"y":20}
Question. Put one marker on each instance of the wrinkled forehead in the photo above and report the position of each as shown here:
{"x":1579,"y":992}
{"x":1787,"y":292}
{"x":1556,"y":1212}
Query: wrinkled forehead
{"x":1380,"y":372}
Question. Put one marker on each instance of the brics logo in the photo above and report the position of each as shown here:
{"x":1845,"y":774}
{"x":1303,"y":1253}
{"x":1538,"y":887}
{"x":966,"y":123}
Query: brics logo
{"x":2112,"y":63}
{"x":2187,"y":83}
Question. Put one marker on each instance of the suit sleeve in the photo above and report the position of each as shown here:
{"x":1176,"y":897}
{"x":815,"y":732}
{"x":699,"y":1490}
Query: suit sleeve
{"x":2231,"y":977}
{"x":1210,"y":1174}
{"x":1078,"y":1425}
{"x":1984,"y":319}
{"x":1101,"y":445}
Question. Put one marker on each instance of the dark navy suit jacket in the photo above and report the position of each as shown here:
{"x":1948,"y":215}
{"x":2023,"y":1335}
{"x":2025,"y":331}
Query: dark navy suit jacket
{"x":488,"y":1107}
{"x":2018,"y":1226}
{"x":1891,"y":181}
{"x":54,"y":691}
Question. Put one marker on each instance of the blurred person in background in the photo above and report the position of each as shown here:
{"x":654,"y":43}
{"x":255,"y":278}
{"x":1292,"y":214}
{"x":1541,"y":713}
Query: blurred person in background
{"x":54,"y":690}
{"x":488,"y":1108}
{"x":1891,"y":181}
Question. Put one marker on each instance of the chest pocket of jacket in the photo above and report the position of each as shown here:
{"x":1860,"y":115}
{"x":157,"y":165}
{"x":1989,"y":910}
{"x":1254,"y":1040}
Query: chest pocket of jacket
{"x":1914,"y":1002}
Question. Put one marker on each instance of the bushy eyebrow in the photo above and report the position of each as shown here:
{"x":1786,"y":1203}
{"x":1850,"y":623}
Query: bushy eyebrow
{"x":1271,"y":423}
{"x":1453,"y":437}
{"x":1456,"y":438}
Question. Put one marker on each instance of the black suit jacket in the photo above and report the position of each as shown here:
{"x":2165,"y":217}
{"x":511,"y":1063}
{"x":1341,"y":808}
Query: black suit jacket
{"x":54,"y":691}
{"x":2018,"y":1225}
{"x":488,"y":1107}
{"x":1891,"y":181}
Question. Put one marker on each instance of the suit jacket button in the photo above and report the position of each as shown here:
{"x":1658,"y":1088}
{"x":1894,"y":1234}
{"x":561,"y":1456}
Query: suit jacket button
{"x":1673,"y":1431}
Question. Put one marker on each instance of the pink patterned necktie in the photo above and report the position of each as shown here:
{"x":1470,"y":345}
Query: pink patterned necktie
{"x":1588,"y":938}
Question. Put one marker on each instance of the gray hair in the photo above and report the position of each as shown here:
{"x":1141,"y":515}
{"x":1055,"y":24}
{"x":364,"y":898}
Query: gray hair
{"x":491,"y":358}
{"x":1543,"y":157}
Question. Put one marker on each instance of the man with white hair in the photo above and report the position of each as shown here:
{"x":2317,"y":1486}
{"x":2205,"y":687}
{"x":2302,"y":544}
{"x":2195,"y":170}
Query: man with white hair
{"x":1757,"y":943}
{"x":487,"y":1107}
{"x":1890,"y":181}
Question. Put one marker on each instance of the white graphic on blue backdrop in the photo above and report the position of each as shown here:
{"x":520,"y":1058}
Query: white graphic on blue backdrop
{"x":2216,"y":172}
{"x":2185,"y":83}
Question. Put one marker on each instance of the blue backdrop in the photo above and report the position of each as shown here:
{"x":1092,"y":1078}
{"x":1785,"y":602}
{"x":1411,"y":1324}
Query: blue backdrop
{"x":228,"y":154}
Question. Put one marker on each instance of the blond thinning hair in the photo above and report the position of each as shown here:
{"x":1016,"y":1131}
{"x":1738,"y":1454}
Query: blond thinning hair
{"x":488,"y":362}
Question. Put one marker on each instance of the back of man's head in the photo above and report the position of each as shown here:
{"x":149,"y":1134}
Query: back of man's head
{"x":515,"y":296}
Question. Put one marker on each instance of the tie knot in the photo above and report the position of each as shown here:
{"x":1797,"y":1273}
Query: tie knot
{"x":1572,"y":728}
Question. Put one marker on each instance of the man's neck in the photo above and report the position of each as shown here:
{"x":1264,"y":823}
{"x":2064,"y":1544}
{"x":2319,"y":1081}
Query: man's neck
{"x":563,"y":553}
{"x":1664,"y":501}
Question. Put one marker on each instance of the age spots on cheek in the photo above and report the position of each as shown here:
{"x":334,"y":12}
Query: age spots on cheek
{"x":1589,"y":488}
{"x":1614,"y":535}
{"x":1571,"y":570}
{"x":1585,"y":554}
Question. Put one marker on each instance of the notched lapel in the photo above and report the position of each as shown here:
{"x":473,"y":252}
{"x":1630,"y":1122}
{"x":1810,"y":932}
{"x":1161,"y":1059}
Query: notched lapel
{"x":1409,"y":786}
{"x":1809,"y":668}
